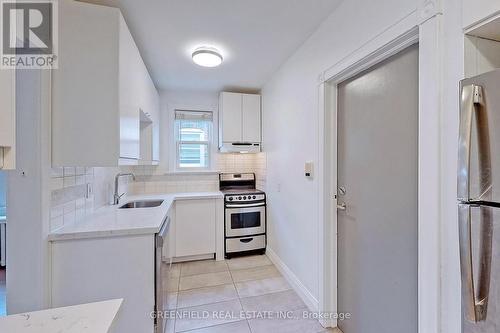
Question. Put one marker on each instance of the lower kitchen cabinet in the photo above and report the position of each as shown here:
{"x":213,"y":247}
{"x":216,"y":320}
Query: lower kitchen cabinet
{"x":195,"y":227}
{"x":90,"y":270}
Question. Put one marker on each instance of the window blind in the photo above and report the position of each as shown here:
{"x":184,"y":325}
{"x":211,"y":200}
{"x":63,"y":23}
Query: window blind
{"x":193,"y":115}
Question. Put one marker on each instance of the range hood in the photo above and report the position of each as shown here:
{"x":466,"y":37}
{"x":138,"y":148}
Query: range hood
{"x":240,"y":147}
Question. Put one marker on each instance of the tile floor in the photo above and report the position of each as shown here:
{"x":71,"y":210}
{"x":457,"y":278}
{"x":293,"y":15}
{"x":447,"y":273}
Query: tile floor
{"x":233,"y":296}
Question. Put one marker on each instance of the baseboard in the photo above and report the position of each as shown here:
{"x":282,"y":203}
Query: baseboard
{"x":192,"y":258}
{"x":306,"y":296}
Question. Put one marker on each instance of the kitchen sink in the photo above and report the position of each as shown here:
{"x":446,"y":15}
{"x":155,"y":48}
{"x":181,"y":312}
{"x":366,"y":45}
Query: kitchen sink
{"x":142,"y":204}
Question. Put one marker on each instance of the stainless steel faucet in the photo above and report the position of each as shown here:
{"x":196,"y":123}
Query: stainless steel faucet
{"x":116,"y":196}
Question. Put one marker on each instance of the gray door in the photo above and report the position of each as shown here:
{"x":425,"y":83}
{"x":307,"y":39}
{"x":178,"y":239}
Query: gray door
{"x":377,"y":179}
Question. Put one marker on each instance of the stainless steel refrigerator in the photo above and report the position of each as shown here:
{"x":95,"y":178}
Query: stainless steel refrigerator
{"x":479,"y":202}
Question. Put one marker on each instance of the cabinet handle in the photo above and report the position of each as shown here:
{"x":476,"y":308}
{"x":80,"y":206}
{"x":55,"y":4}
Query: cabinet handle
{"x":246,"y":240}
{"x":241,"y":144}
{"x":475,"y":303}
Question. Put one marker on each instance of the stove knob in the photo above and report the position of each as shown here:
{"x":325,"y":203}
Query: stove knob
{"x":230,"y":198}
{"x":254,"y":197}
{"x":245,"y":197}
{"x":239,"y":198}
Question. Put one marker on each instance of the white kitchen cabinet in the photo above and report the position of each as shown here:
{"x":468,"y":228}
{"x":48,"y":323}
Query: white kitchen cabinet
{"x":475,"y":11}
{"x":7,"y":119}
{"x":146,"y":147}
{"x":239,"y":122}
{"x":155,"y":117}
{"x":230,"y":116}
{"x":195,"y":227}
{"x":150,"y":127}
{"x":131,"y":93}
{"x":98,"y":90}
{"x":250,"y":118}
{"x":98,"y":269}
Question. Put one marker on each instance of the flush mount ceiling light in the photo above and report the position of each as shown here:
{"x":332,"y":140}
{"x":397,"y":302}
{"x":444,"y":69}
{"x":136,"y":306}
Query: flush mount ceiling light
{"x":207,"y":57}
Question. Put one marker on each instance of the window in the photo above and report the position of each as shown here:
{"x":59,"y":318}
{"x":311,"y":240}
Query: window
{"x":193,"y":132}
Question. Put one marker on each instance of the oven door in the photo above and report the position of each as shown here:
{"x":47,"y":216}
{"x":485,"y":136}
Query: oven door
{"x":245,"y":219}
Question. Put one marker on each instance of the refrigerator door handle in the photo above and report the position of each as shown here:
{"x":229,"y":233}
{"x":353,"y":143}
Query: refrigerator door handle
{"x":471,"y":96}
{"x":474,"y":309}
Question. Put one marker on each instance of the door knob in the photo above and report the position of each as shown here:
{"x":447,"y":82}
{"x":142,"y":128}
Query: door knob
{"x":342,"y":206}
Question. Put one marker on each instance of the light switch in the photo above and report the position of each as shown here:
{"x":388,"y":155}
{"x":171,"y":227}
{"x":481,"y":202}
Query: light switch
{"x":308,"y":169}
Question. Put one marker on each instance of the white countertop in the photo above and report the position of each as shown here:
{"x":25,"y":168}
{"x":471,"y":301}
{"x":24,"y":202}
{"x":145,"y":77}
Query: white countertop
{"x":111,"y":221}
{"x":92,"y":317}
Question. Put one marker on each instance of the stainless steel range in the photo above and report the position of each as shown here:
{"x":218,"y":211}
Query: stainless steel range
{"x":244,"y":214}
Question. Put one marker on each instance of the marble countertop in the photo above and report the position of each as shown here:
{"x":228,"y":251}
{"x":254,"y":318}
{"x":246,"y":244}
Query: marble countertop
{"x":110,"y":221}
{"x":92,"y":317}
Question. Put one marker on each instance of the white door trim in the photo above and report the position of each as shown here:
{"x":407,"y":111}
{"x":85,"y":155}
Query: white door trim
{"x":398,"y":37}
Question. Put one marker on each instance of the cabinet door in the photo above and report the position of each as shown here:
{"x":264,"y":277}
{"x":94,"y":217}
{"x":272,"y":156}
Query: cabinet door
{"x":156,"y":124}
{"x":475,"y":11}
{"x":231,"y":117}
{"x":85,"y":88}
{"x":194,"y":227}
{"x":130,"y":94}
{"x":251,"y":118}
{"x":149,"y":121}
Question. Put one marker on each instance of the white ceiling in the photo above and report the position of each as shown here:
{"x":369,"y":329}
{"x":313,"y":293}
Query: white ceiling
{"x":254,"y":36}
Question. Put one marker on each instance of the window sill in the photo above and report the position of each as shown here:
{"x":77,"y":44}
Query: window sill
{"x":193,"y":172}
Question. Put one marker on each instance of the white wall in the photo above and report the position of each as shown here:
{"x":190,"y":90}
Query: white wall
{"x":28,"y":195}
{"x":3,"y":191}
{"x":452,"y":71}
{"x":290,"y":118}
{"x":182,"y":100}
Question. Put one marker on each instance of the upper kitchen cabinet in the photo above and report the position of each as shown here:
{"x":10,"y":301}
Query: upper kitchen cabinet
{"x":99,"y":89}
{"x":150,"y":131}
{"x":239,"y":122}
{"x":151,"y":152}
{"x":150,"y":123}
{"x":7,"y":119}
{"x":475,"y":11}
{"x":482,"y":48}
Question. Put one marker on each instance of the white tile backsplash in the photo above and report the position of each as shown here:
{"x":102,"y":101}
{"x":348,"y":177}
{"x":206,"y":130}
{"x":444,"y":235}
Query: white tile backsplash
{"x":68,"y":186}
{"x":71,"y":207}
{"x":69,"y":181}
{"x":151,"y":180}
{"x":56,"y":183}
{"x":70,"y":204}
{"x":69,"y":171}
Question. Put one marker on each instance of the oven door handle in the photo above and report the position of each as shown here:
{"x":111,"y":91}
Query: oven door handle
{"x":260,"y":204}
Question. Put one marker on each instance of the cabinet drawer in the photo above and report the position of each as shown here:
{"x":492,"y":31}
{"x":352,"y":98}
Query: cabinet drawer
{"x":245,"y":243}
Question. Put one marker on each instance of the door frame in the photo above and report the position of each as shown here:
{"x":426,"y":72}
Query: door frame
{"x":408,"y":31}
